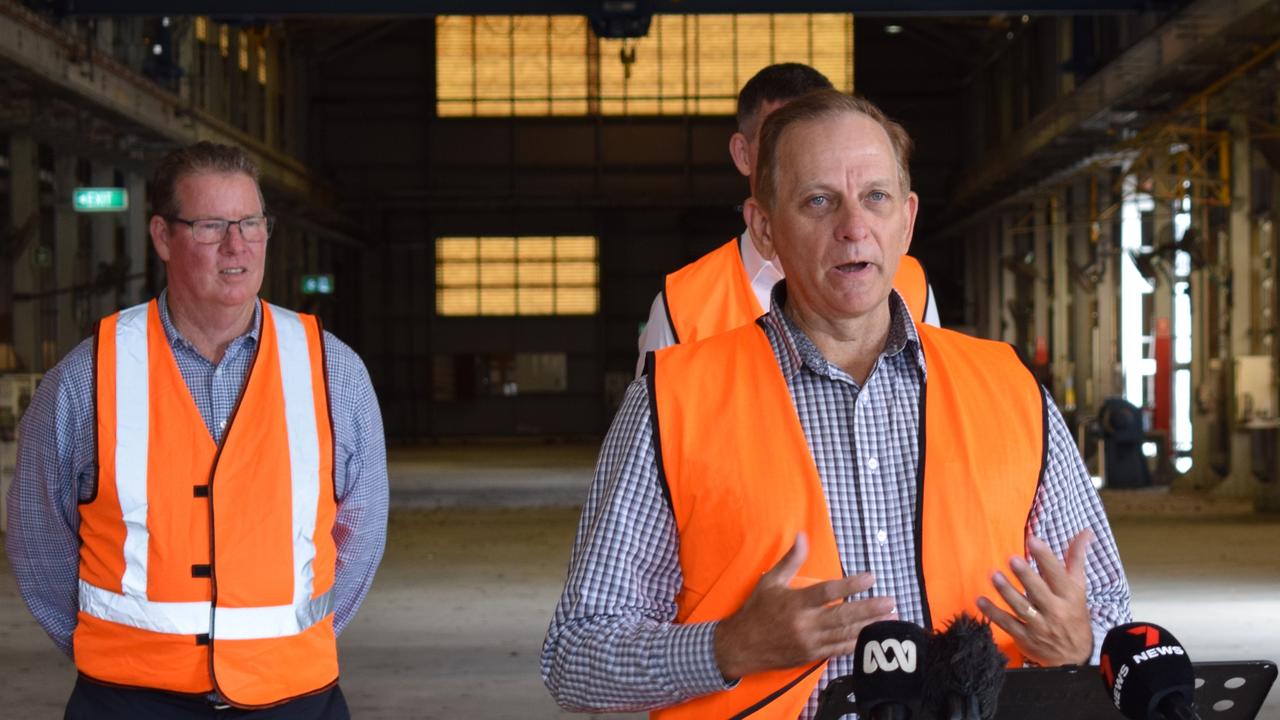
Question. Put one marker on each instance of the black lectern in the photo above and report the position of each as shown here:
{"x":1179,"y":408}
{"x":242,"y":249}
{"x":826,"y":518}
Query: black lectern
{"x":1224,"y":691}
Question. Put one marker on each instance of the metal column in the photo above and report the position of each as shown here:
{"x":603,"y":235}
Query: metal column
{"x":1106,"y":345}
{"x":24,"y":208}
{"x":137,"y":240}
{"x":103,"y":230}
{"x":1040,"y":302}
{"x":1082,"y":298}
{"x":995,"y":302}
{"x":1063,"y":368}
{"x":66,"y":239}
{"x":1008,"y":283}
{"x":1209,"y":412}
{"x":1240,"y":481}
{"x":1160,"y":324}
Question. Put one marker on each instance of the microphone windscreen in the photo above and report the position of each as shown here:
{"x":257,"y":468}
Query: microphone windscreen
{"x":888,"y":665}
{"x":1142,"y":664}
{"x":965,"y":670}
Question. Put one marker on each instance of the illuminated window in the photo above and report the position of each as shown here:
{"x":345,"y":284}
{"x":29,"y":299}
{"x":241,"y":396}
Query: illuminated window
{"x":242,"y":47}
{"x":202,"y":28}
{"x":224,"y":40}
{"x":497,"y":65}
{"x":262,"y":64}
{"x":517,"y":276}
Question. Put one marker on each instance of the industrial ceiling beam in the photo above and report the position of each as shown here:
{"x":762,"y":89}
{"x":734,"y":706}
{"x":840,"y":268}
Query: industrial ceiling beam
{"x":1205,"y":26}
{"x":55,"y":66}
{"x":897,"y":8}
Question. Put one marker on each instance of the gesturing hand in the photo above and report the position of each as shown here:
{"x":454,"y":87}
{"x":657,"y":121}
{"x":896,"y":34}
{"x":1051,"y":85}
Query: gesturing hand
{"x":780,"y":627}
{"x":1050,"y":623}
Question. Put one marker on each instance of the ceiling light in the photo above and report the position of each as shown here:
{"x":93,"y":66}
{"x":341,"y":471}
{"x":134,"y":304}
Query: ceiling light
{"x":1026,"y":19}
{"x":893,"y":29}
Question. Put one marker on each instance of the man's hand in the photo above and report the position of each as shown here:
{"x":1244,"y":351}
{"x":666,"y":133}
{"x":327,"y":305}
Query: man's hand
{"x":780,"y":627}
{"x":1050,"y":623}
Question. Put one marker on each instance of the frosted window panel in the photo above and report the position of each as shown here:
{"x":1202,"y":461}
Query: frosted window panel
{"x":498,"y":301}
{"x":457,"y":301}
{"x":576,"y":247}
{"x":456,"y":248}
{"x":493,"y":65}
{"x":535,"y":248}
{"x":495,"y":274}
{"x":576,"y":301}
{"x":531,"y":64}
{"x":575,"y":272}
{"x":536,"y":273}
{"x":457,"y":273}
{"x":497,"y":248}
{"x":537,"y":301}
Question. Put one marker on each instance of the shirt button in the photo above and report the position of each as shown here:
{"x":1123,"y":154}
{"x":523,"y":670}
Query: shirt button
{"x":222,"y":425}
{"x":217,"y":372}
{"x":873,"y":463}
{"x":882,"y":537}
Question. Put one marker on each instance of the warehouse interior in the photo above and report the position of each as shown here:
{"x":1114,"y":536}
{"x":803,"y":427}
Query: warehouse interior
{"x":482,"y":199}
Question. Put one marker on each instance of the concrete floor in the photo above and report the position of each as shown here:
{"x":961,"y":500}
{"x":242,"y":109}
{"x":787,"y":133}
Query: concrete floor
{"x":454,"y":623}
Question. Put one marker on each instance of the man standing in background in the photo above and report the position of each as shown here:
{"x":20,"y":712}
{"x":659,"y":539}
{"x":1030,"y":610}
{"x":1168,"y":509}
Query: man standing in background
{"x":200,"y":500}
{"x":730,"y":285}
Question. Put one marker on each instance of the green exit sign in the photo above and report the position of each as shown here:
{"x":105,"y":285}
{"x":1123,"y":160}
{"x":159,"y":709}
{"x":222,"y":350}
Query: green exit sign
{"x":104,"y":199}
{"x":317,"y":284}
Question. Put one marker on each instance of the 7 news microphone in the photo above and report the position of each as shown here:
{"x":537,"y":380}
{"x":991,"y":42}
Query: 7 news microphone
{"x":1148,"y":673}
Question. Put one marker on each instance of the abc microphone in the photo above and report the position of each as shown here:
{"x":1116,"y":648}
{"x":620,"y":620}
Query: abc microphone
{"x":965,"y":672}
{"x":1148,"y":674}
{"x":888,"y":670}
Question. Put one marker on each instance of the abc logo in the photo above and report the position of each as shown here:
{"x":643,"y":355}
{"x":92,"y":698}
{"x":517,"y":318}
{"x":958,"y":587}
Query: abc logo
{"x":889,"y":655}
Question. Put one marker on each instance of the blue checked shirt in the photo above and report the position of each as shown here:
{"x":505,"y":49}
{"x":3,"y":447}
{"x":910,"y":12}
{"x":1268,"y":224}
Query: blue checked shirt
{"x":57,"y":467}
{"x":613,"y":644}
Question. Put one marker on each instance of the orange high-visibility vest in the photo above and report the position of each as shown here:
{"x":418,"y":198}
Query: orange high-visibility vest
{"x":207,"y":568}
{"x":713,"y":293}
{"x":912,"y":284}
{"x":742,"y":482}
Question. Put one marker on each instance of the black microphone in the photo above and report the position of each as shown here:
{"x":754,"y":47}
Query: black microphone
{"x":964,"y":673}
{"x":1148,"y":673}
{"x":888,"y":667}
{"x":888,"y":670}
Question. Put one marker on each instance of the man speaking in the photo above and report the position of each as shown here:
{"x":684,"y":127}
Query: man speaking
{"x":766,"y":493}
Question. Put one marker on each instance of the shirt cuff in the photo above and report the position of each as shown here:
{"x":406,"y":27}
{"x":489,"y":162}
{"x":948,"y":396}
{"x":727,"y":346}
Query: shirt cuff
{"x":1099,"y":634}
{"x":691,"y":660}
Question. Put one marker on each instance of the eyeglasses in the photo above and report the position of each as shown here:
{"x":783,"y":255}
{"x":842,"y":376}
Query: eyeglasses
{"x":254,"y":229}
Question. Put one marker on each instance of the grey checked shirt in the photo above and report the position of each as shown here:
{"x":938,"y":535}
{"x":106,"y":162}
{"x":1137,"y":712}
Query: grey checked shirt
{"x":57,"y":467}
{"x":613,"y":644}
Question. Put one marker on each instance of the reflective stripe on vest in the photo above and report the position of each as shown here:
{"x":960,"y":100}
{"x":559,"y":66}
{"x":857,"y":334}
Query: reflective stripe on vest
{"x":713,"y":293}
{"x":192,"y":618}
{"x":133,"y":381}
{"x":742,"y":482}
{"x":267,"y":552}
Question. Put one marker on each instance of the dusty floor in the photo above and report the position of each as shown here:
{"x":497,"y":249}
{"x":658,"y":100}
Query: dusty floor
{"x":455,"y":620}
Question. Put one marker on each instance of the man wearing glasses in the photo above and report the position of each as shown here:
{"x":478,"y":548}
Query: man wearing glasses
{"x":200,"y":499}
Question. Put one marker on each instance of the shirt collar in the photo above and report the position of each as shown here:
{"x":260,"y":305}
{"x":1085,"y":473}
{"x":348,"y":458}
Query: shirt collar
{"x":797,"y":350}
{"x":763,"y":274}
{"x":177,"y":340}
